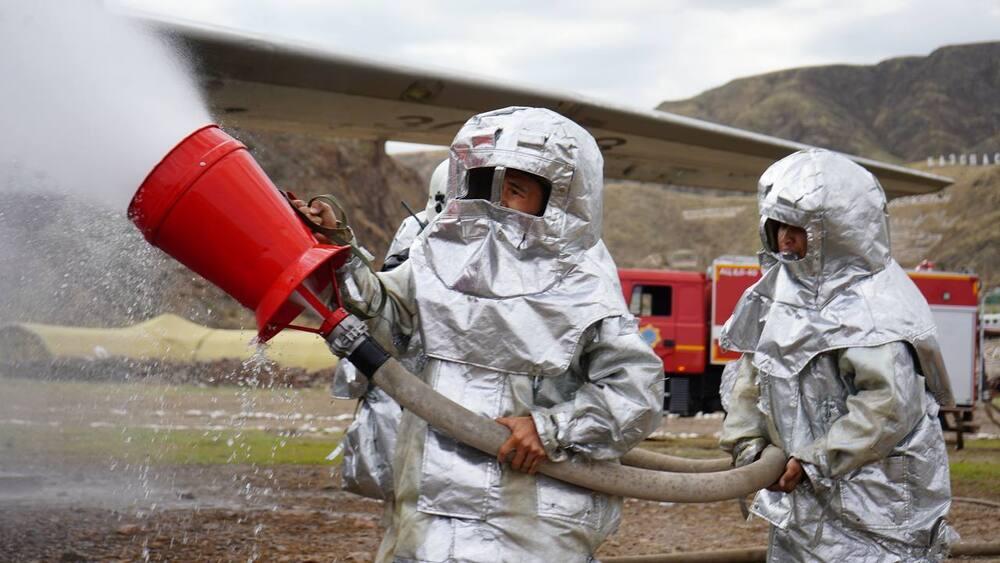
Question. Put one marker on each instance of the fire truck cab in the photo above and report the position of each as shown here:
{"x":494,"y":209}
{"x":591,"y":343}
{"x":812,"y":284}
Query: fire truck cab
{"x":673,"y":308}
{"x":682,"y":313}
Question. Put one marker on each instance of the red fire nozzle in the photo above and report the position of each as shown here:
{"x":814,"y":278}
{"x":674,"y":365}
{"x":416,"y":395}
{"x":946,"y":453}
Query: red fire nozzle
{"x":209,"y":205}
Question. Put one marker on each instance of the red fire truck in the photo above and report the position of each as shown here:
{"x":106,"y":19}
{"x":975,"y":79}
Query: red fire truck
{"x":681,"y":314}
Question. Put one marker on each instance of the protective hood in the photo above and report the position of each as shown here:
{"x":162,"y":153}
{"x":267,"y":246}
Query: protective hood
{"x":482,"y":270}
{"x":437,"y":190}
{"x":847,"y":291}
{"x":482,"y":249}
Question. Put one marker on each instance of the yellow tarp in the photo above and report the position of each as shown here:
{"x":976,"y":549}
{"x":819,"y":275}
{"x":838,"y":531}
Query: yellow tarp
{"x":167,"y":337}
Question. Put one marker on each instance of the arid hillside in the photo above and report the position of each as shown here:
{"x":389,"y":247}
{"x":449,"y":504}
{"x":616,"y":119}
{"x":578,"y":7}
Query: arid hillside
{"x":903,"y":109}
{"x":959,"y":230}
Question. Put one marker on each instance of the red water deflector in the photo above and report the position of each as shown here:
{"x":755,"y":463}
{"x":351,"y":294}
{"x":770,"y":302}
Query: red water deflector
{"x":209,"y":205}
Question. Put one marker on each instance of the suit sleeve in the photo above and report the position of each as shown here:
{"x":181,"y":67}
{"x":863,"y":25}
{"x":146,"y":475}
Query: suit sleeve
{"x":619,"y":403}
{"x":745,"y":427}
{"x":888,"y":403}
{"x":363,"y":288}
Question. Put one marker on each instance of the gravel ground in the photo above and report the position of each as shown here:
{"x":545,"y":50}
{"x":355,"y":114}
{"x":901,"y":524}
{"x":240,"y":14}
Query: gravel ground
{"x":55,"y":509}
{"x":291,"y":513}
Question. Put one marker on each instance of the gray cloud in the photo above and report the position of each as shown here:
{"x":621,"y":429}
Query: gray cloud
{"x":634,"y":52}
{"x":916,"y":28}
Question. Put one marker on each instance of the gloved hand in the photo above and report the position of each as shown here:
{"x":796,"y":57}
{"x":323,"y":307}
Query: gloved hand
{"x":747,"y":450}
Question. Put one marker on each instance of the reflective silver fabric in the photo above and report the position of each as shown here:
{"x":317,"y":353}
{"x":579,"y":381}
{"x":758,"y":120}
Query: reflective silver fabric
{"x":368,"y":445}
{"x":370,"y":439}
{"x":519,"y":316}
{"x":399,"y":248}
{"x":840,"y":363}
{"x":847,"y":290}
{"x":866,"y":432}
{"x":485,"y":271}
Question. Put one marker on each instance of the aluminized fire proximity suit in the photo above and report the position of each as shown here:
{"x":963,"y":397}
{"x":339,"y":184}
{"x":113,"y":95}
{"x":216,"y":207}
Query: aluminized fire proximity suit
{"x":519,"y":316}
{"x":371,"y":438}
{"x":842,"y":370}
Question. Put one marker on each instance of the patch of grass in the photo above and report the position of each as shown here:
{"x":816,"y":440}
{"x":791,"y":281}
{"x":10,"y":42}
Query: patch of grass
{"x":985,"y":444}
{"x":975,"y":470}
{"x":141,"y":390}
{"x":142,"y":445}
{"x":977,"y":479}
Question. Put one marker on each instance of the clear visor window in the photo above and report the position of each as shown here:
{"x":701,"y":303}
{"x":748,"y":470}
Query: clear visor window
{"x":511,"y":188}
{"x":788,"y":241}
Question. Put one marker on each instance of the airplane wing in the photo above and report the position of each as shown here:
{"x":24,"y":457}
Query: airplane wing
{"x":272,"y":83}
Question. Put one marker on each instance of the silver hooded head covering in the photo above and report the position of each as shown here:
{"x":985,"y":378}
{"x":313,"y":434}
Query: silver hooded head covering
{"x":503,"y":289}
{"x":847,"y":291}
{"x":437,"y":191}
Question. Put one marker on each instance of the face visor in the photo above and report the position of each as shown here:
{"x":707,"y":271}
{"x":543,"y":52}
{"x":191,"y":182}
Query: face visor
{"x":770,"y":230}
{"x":509,"y":188}
{"x":805,"y":270}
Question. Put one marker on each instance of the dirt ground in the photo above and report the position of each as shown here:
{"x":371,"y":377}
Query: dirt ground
{"x":60,"y":509}
{"x":294,"y":513}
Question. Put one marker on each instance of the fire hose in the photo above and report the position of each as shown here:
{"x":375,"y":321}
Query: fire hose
{"x":759,"y":554}
{"x":637,"y":457}
{"x":351,"y":340}
{"x":269,"y":261}
{"x":646,"y":459}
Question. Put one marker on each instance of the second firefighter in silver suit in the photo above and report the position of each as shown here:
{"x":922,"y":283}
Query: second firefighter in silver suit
{"x":842,"y":370}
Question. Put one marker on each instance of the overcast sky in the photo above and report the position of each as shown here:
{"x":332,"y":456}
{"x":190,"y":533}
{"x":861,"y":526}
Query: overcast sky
{"x":630,"y":52}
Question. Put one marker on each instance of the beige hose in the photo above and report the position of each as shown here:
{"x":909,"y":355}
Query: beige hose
{"x":759,"y":554}
{"x":646,"y":459}
{"x":745,"y":555}
{"x":608,"y":477}
{"x":979,"y":501}
{"x":975,"y":549}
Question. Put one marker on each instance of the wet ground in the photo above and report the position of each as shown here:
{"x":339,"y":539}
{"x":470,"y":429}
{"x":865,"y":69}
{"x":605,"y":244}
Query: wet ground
{"x":296,"y":513}
{"x":64,"y":505}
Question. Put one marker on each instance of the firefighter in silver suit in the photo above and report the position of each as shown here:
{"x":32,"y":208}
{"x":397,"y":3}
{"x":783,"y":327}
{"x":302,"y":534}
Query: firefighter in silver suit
{"x":521,"y":316}
{"x":841,"y":369}
{"x":371,"y":438}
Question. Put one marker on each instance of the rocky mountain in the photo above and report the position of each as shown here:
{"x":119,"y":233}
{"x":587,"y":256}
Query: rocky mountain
{"x":957,"y":229}
{"x":902,"y":109}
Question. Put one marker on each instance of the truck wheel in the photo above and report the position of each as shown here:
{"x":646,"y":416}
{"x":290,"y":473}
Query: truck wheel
{"x":684,"y":397}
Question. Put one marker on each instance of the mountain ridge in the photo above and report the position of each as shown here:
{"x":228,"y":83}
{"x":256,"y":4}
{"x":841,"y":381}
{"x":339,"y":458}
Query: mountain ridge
{"x":902,"y":109}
